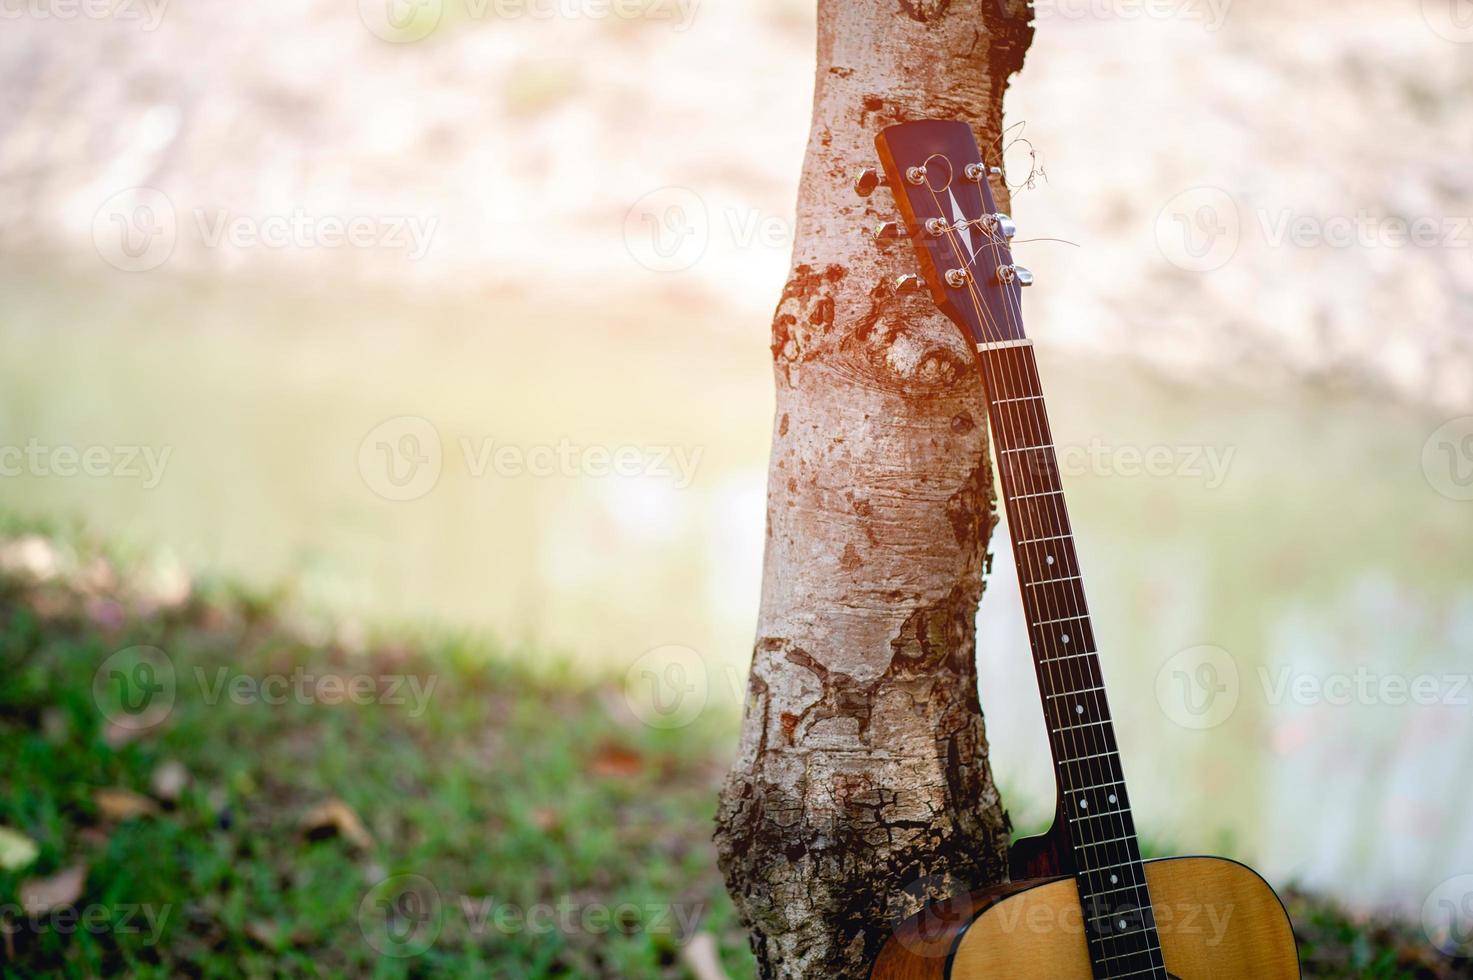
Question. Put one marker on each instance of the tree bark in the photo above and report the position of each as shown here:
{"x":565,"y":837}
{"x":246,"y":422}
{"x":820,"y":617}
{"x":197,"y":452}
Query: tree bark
{"x":862,"y":787}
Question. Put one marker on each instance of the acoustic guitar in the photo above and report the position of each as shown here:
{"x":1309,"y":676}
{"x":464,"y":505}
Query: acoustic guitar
{"x":1082,"y":903}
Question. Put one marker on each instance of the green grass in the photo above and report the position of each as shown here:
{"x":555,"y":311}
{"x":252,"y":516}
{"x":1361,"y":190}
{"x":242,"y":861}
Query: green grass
{"x":515,"y":789}
{"x":519,"y":821}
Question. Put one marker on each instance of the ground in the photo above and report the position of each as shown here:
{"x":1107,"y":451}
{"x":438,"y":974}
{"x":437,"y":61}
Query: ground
{"x":487,"y":814}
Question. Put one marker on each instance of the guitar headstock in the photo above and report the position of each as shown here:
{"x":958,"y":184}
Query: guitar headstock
{"x":939,"y":180}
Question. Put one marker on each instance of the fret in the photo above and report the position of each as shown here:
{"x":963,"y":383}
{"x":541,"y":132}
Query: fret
{"x":1056,"y":537}
{"x":1104,"y":843}
{"x":1047,"y":581}
{"x":1071,"y":694}
{"x":1063,"y":619}
{"x":1021,"y":398}
{"x":1027,"y":449}
{"x":1098,"y":816}
{"x":1084,"y":758}
{"x":1030,"y":496}
{"x":1138,"y":973}
{"x":1134,"y":952}
{"x":1016,"y":418}
{"x":1123,"y":888}
{"x":1088,"y":724}
{"x":1069,"y":656}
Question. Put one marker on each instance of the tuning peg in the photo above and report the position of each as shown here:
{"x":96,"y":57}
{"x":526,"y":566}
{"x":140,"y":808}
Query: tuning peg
{"x":867,"y":180}
{"x":908,"y":284}
{"x":1006,"y":226}
{"x":1009,"y":274}
{"x":888,"y":232}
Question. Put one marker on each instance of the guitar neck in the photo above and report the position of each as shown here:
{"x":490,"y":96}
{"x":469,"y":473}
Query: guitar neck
{"x":1092,"y":797}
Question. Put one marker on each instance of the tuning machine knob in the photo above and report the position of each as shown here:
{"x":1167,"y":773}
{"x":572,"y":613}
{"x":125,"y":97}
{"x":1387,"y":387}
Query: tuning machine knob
{"x":908,"y":284}
{"x":867,"y":181}
{"x":888,"y":232}
{"x":1009,"y":274}
{"x":1004,"y":226}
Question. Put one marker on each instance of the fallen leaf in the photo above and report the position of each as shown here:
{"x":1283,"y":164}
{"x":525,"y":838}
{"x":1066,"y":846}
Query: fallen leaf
{"x":336,"y":818}
{"x":701,"y":958}
{"x":55,"y":725}
{"x":615,"y":760}
{"x":264,"y":932}
{"x":169,"y":780}
{"x":16,"y":850}
{"x":123,"y":804}
{"x":58,"y":891}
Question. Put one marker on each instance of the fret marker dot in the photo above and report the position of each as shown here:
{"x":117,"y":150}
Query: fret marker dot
{"x":1122,"y":923}
{"x":1084,"y":804}
{"x":1065,"y":637}
{"x":1114,"y":879}
{"x":1050,"y":559}
{"x":1079,"y":709}
{"x":1112,"y":798}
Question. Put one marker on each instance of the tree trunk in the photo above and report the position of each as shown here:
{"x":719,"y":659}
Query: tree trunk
{"x":862,"y":787}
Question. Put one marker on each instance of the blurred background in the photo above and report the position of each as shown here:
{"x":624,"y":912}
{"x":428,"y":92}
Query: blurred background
{"x":435,"y":333}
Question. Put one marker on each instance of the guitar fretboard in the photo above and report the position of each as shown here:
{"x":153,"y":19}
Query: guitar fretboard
{"x":1119,"y":921}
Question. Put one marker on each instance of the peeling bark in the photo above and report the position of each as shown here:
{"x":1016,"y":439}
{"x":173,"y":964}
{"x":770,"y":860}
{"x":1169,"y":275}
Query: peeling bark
{"x":862,"y":788}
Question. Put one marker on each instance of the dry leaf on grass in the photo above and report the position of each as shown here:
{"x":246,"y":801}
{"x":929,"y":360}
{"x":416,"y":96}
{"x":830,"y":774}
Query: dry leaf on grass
{"x":169,"y":780}
{"x":56,"y":892}
{"x":615,"y":760}
{"x":336,"y":818}
{"x":123,"y":804}
{"x":264,"y":932}
{"x":702,"y":959}
{"x":16,"y":850}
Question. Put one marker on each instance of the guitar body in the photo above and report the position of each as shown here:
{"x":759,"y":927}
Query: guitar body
{"x":1218,"y":920}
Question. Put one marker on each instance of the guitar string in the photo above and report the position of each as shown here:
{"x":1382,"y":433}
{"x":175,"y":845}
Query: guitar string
{"x":1072,"y":670}
{"x":1059,"y":510}
{"x":1121,"y":841}
{"x":1078,"y":669}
